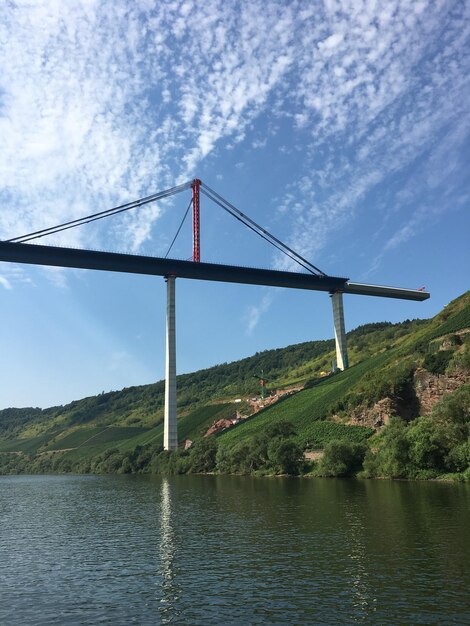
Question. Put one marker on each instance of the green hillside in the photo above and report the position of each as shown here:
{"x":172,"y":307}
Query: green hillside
{"x":123,"y":430}
{"x":307,"y":407}
{"x":385,"y":373}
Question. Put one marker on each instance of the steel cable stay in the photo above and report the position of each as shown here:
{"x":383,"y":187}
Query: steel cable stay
{"x":102,"y":214}
{"x":256,"y":231}
{"x":259,"y":229}
{"x":179,"y":228}
{"x":262,"y":232}
{"x":208,"y":192}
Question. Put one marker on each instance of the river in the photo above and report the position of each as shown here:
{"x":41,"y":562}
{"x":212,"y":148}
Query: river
{"x":232,"y":550}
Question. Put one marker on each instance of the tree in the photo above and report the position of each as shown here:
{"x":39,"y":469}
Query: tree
{"x":285,"y":456}
{"x":342,"y":458}
{"x":238,"y":459}
{"x":391,"y":456}
{"x":203,"y":455}
{"x":430,"y":443}
{"x":454,"y":407}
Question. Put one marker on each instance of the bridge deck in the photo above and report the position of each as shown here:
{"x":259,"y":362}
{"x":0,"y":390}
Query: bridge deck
{"x":136,"y":264}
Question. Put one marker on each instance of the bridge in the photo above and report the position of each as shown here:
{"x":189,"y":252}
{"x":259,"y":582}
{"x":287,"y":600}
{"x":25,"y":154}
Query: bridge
{"x":18,"y":250}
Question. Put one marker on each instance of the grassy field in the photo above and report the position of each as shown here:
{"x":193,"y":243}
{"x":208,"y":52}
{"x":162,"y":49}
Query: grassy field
{"x":74,"y":439}
{"x":305,"y":408}
{"x":125,"y":439}
{"x":25,"y":445}
{"x":323,"y":432}
{"x":193,"y":425}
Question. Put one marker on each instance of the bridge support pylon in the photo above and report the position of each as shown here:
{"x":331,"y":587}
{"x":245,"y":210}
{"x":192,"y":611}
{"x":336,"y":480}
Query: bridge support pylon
{"x":170,"y":435}
{"x":340,"y":332}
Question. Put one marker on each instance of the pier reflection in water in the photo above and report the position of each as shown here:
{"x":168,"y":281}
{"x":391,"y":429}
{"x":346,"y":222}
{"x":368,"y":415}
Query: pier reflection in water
{"x":212,"y":549}
{"x":167,"y":550}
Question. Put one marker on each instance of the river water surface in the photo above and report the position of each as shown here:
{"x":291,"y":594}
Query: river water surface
{"x":232,"y":550}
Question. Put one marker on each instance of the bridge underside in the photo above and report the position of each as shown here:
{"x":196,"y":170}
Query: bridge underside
{"x":136,"y":264}
{"x":171,"y":269}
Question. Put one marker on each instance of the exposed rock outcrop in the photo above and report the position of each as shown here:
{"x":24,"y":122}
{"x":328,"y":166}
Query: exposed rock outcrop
{"x":431,"y":387}
{"x":376,"y":416}
{"x":426,"y":391}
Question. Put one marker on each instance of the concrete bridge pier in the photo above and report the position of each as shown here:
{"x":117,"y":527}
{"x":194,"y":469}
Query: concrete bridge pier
{"x":340,"y":333}
{"x":170,"y":435}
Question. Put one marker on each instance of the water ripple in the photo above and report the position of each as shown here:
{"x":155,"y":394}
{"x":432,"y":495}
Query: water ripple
{"x":211,"y":550}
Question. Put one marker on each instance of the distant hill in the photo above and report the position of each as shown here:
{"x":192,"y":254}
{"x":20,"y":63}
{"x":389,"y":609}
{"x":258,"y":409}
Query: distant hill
{"x":385,"y":361}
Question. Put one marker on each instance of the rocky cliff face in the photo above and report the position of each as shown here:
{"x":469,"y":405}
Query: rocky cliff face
{"x":430,"y":388}
{"x":374,"y":417}
{"x":426,"y":391}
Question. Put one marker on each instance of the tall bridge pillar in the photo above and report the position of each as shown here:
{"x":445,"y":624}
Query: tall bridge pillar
{"x":340,"y":333}
{"x":170,"y":435}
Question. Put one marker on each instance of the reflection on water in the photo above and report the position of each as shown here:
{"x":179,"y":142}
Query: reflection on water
{"x":364,"y":602}
{"x":167,"y":548}
{"x":86,"y":550}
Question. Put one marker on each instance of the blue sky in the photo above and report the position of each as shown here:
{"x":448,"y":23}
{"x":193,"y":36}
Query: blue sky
{"x":342,"y":127}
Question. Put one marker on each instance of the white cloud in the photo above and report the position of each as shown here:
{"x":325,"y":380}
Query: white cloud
{"x":255,"y":312}
{"x":331,"y":42}
{"x":13,"y":274}
{"x":397,"y":82}
{"x":104,"y":102}
{"x":5,"y":282}
{"x":259,"y":143}
{"x":100,"y":103}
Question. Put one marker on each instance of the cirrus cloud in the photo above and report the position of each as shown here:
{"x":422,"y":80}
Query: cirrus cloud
{"x":103,"y":102}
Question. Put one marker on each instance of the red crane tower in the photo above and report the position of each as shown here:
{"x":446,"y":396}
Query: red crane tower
{"x":196,"y":221}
